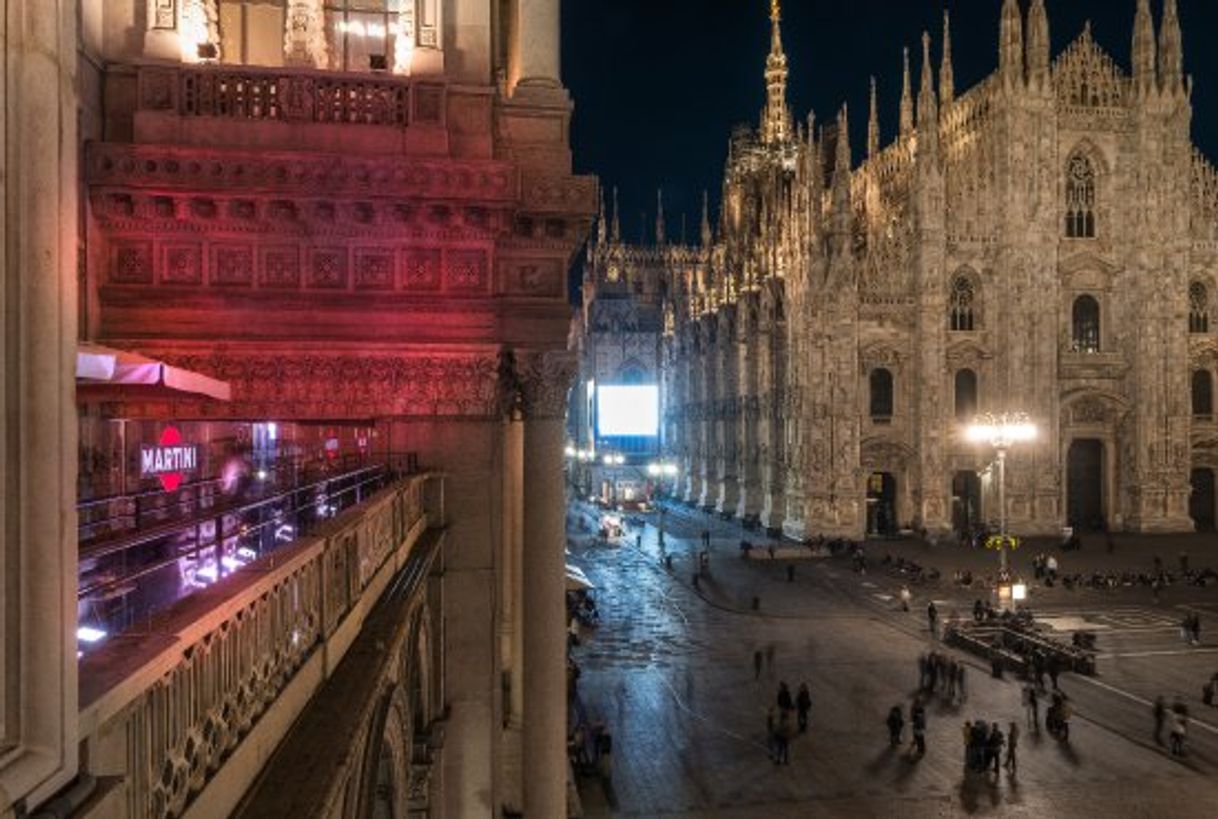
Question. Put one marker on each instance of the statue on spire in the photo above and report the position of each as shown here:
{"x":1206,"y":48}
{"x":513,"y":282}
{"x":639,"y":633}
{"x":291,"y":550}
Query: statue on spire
{"x":776,"y":126}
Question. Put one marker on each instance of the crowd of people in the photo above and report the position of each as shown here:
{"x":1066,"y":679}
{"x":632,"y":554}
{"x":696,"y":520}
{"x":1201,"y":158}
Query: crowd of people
{"x":984,"y":744}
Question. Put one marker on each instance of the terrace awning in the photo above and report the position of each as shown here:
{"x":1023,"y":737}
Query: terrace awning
{"x":101,"y":371}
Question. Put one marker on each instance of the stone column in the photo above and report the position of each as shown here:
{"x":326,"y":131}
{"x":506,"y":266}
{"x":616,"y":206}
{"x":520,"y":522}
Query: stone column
{"x":534,"y":58}
{"x":544,"y":380}
{"x":38,"y":301}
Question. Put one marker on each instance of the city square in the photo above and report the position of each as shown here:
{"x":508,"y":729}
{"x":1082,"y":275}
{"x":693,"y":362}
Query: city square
{"x":573,"y":408}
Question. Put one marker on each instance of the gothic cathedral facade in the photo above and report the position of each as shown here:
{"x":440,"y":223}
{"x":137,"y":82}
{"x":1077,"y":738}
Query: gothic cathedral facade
{"x":1044,"y":242}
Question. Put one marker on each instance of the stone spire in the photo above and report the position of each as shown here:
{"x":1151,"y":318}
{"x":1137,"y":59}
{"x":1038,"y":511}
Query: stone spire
{"x":660,"y":216}
{"x":617,"y":224}
{"x":1038,"y":45}
{"x":1171,"y":50}
{"x":1010,"y":49}
{"x":601,"y":228}
{"x":873,"y":125}
{"x":947,"y":77}
{"x":776,"y":127}
{"x":907,"y":118}
{"x":1143,"y":48}
{"x":928,"y":110}
{"x":707,"y":237}
{"x":928,"y":106}
{"x":841,"y":176}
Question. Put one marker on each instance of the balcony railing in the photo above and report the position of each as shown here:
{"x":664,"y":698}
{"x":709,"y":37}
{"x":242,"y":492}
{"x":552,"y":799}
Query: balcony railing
{"x":179,"y":703}
{"x":289,"y":94}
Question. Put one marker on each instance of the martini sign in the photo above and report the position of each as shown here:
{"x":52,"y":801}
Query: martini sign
{"x":169,"y":460}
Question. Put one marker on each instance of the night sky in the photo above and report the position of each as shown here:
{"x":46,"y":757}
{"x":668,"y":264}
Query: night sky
{"x":658,"y":84}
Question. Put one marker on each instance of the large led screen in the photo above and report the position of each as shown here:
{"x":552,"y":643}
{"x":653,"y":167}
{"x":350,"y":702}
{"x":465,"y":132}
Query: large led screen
{"x":627,"y":410}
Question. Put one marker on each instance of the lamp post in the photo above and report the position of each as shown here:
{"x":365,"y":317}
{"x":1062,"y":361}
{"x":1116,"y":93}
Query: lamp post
{"x":1001,"y":431}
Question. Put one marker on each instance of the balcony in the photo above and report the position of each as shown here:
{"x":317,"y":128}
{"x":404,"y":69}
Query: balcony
{"x":206,"y":688}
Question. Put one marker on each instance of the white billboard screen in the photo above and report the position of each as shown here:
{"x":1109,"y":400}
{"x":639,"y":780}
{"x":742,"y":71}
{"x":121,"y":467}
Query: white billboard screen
{"x":627,"y":410}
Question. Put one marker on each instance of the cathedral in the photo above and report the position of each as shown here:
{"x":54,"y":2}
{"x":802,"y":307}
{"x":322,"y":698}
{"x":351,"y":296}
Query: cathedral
{"x":1042,"y":243}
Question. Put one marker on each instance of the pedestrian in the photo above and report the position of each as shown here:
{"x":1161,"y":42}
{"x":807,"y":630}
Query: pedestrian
{"x":1207,"y":692}
{"x":1053,"y":671}
{"x":1179,"y":727}
{"x":784,"y":698}
{"x":951,"y":679}
{"x":978,"y":610}
{"x":977,"y":741}
{"x":994,"y":743}
{"x":771,"y":732}
{"x":1051,"y":567}
{"x":790,"y":572}
{"x":1012,"y":743}
{"x":1033,"y":708}
{"x":757,"y":664}
{"x":1196,"y":629}
{"x":1160,"y":712}
{"x":896,"y":723}
{"x":803,"y":704}
{"x":923,"y":671}
{"x":917,"y":718}
{"x":782,"y":736}
{"x":968,"y":744}
{"x":905,"y":596}
{"x":932,"y":617}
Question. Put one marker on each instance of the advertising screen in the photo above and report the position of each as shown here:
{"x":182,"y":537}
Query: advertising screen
{"x":627,"y":410}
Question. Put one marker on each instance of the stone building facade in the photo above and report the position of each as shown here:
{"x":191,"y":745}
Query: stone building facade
{"x":1044,"y":242}
{"x":346,"y":209}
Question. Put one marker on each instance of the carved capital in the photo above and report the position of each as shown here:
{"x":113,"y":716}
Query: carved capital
{"x":544,"y":379}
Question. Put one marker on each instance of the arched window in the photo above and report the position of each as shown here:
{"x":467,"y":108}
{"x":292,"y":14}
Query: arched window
{"x":1086,"y":325}
{"x":1080,"y":198}
{"x":881,"y":395}
{"x":966,"y":395}
{"x":1198,"y":308}
{"x":963,"y":298}
{"x":1203,"y":393}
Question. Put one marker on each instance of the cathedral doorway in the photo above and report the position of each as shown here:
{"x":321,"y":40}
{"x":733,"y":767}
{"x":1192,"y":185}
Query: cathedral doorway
{"x":881,"y":504}
{"x":1085,"y":485}
{"x":966,"y":501}
{"x":1201,"y":501}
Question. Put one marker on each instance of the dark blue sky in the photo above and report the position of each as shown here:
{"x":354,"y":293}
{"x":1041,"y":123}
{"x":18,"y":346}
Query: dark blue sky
{"x":658,"y":84}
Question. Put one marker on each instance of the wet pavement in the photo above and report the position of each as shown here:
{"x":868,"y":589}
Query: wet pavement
{"x":670,"y":671}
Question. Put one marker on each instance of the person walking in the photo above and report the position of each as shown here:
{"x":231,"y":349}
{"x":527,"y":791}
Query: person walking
{"x":1012,"y":744}
{"x":1160,"y":712}
{"x":1033,"y":706}
{"x":1053,"y":671}
{"x":896,"y":724}
{"x":782,"y":739}
{"x":784,"y":698}
{"x":932,"y":618}
{"x":917,"y":718}
{"x":906,"y":596}
{"x":803,"y":704}
{"x":993,"y":747}
{"x":1179,"y":727}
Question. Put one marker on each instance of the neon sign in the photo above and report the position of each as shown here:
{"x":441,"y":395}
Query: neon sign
{"x":169,"y":460}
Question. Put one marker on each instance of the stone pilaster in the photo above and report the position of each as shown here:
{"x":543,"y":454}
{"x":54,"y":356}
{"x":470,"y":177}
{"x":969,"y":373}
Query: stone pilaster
{"x":534,"y":50}
{"x":544,"y":381}
{"x":38,"y":432}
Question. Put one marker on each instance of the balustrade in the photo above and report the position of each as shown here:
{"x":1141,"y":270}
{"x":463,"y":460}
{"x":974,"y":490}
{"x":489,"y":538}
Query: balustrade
{"x":295,"y":95}
{"x":168,"y":708}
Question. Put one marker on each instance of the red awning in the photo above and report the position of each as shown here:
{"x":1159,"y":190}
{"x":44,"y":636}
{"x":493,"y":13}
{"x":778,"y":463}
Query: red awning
{"x":101,"y":369}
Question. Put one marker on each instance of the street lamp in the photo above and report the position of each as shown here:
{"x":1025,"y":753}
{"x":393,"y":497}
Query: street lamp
{"x":1001,"y":431}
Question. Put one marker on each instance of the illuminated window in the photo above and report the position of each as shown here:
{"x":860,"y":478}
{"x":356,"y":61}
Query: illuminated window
{"x":1085,"y":320}
{"x":963,"y":297}
{"x":1080,"y":198}
{"x":1198,"y":308}
{"x":881,"y":395}
{"x":966,"y":395}
{"x":1203,"y":393}
{"x":251,"y":31}
{"x":363,"y":34}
